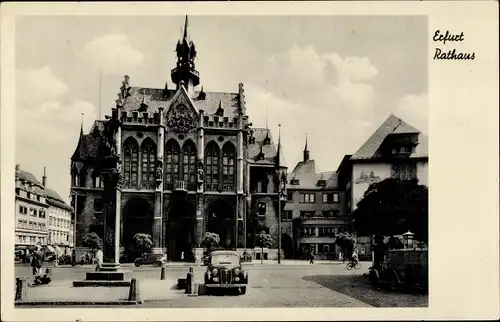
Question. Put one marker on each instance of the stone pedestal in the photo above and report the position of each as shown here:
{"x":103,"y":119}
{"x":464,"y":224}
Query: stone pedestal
{"x":108,"y":275}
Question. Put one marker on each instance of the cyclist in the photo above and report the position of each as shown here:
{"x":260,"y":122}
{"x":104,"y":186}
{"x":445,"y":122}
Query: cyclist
{"x":354,"y":258}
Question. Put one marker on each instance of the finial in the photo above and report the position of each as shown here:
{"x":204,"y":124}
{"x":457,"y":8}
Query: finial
{"x":305,"y":149}
{"x":81,"y":127}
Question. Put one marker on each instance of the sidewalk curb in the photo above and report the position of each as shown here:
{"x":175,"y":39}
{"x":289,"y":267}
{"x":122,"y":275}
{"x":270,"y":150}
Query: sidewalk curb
{"x":39,"y":303}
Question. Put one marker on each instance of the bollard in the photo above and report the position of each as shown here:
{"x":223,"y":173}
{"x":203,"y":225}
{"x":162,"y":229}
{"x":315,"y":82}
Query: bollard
{"x":133,"y":292}
{"x":21,"y":288}
{"x":188,"y":282}
{"x":163,"y":271}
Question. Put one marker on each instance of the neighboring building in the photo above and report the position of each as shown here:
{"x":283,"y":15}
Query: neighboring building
{"x":397,"y":150}
{"x":192,"y":163}
{"x":60,"y":227}
{"x":31,"y":211}
{"x":314,"y":212}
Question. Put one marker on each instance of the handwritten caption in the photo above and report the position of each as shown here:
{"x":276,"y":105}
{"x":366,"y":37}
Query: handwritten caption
{"x":451,"y":54}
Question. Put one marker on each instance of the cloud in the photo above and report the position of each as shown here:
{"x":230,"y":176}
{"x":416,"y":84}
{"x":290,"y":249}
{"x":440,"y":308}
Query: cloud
{"x":113,"y":53}
{"x":414,"y":109}
{"x":36,"y":86}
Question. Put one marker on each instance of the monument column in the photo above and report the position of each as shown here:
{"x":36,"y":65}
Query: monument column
{"x":158,"y":238}
{"x":200,"y":202}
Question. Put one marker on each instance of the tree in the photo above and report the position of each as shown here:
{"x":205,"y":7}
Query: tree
{"x":393,"y":207}
{"x":264,"y":240}
{"x":210,"y":241}
{"x":92,"y":241}
{"x":346,"y":243}
{"x":142,"y":243}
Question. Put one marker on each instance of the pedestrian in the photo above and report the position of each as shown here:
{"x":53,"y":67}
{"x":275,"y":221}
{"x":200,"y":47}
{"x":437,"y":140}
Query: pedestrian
{"x":37,"y":259}
{"x":311,"y":258}
{"x":99,"y":259}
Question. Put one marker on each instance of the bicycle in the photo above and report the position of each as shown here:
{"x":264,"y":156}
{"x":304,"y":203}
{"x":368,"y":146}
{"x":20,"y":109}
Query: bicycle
{"x":353,"y":264}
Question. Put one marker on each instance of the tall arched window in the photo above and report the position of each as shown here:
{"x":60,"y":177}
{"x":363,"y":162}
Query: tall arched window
{"x":189,"y":162}
{"x":148,"y":158}
{"x":130,"y":162}
{"x":228,"y":163}
{"x":212,"y":164}
{"x":75,"y":177}
{"x":172,"y":162}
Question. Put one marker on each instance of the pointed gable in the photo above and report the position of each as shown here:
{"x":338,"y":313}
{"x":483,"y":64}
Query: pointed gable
{"x":392,"y":125}
{"x":182,"y":115}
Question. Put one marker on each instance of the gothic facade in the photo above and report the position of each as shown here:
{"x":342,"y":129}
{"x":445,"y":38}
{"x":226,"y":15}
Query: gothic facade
{"x":191,"y":163}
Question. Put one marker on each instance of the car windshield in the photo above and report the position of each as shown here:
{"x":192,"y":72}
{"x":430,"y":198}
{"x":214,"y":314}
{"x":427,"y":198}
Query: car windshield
{"x":230,"y":259}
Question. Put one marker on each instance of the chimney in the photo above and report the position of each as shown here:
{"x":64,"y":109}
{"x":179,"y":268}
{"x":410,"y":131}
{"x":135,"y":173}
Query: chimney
{"x":44,"y":178}
{"x":18,"y":167}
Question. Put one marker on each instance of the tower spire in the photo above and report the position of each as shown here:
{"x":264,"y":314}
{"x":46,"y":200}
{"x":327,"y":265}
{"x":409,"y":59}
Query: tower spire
{"x":280,"y":161}
{"x":185,"y":70}
{"x":306,"y":152}
{"x":81,"y":127}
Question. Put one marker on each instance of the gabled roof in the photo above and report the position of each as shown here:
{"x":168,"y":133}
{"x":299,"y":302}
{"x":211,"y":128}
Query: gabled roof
{"x":308,"y":166}
{"x":32,"y":184}
{"x":156,"y":97}
{"x":55,"y":200}
{"x":309,"y":181}
{"x":392,"y":125}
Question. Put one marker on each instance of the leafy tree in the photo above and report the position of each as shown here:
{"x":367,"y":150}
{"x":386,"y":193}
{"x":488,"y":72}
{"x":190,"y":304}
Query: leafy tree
{"x":210,"y":241}
{"x":346,"y":243}
{"x":264,"y":240}
{"x":393,"y":207}
{"x":92,"y":241}
{"x":142,"y":243}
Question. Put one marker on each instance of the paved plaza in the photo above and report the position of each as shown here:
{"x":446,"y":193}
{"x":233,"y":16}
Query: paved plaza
{"x":290,"y":284}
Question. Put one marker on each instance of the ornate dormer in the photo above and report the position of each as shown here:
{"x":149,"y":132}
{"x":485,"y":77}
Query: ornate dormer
{"x":267,"y":139}
{"x":261,"y":154}
{"x":201,"y":95}
{"x":143,"y":107}
{"x":185,"y":70}
{"x":220,"y":110}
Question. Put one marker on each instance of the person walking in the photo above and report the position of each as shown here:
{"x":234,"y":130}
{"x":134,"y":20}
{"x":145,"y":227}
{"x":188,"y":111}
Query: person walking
{"x":99,"y":256}
{"x":311,"y":258}
{"x":37,"y":259}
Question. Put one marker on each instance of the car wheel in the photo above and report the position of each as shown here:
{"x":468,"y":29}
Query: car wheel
{"x":137,"y":264}
{"x":243,"y":290}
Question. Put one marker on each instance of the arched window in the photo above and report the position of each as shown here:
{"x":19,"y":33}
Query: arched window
{"x":148,"y":158}
{"x":212,"y":164}
{"x":189,"y":162}
{"x":131,"y":162}
{"x":172,"y":162}
{"x":75,"y":177}
{"x":228,"y":163}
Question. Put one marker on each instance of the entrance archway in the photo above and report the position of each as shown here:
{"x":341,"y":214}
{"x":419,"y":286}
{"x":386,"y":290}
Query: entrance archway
{"x":137,"y":218}
{"x":180,"y":231}
{"x":287,"y":245}
{"x":222,"y":222}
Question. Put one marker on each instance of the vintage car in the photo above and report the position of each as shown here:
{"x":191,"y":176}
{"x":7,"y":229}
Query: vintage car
{"x":224,"y":271}
{"x":154,"y":259}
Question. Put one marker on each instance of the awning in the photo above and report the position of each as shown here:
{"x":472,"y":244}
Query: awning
{"x":51,"y":249}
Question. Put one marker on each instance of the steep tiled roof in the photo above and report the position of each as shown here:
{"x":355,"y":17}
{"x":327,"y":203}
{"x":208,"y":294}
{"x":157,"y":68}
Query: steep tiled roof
{"x":310,"y":180}
{"x":269,"y":150}
{"x":34,"y":185}
{"x":391,"y":125}
{"x":308,"y":166}
{"x":88,"y":144}
{"x":155,"y":98}
{"x":54,"y":199}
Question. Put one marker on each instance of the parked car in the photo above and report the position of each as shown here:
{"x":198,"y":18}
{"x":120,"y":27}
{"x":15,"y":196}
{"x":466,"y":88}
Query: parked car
{"x":148,"y":259}
{"x":224,"y":271}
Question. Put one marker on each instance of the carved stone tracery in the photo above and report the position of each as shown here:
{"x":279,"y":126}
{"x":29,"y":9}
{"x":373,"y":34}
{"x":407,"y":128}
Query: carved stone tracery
{"x":180,"y":119}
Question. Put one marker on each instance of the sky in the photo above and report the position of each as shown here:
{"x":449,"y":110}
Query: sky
{"x":332,"y":78}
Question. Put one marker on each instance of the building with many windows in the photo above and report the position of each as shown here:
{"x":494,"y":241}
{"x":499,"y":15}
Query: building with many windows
{"x":191,"y":163}
{"x":31,"y":211}
{"x":60,"y":223}
{"x":313,"y":213}
{"x":396,"y":149}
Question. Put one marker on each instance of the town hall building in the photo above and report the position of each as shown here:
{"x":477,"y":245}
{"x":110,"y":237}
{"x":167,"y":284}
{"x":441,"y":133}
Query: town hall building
{"x":191,"y":163}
